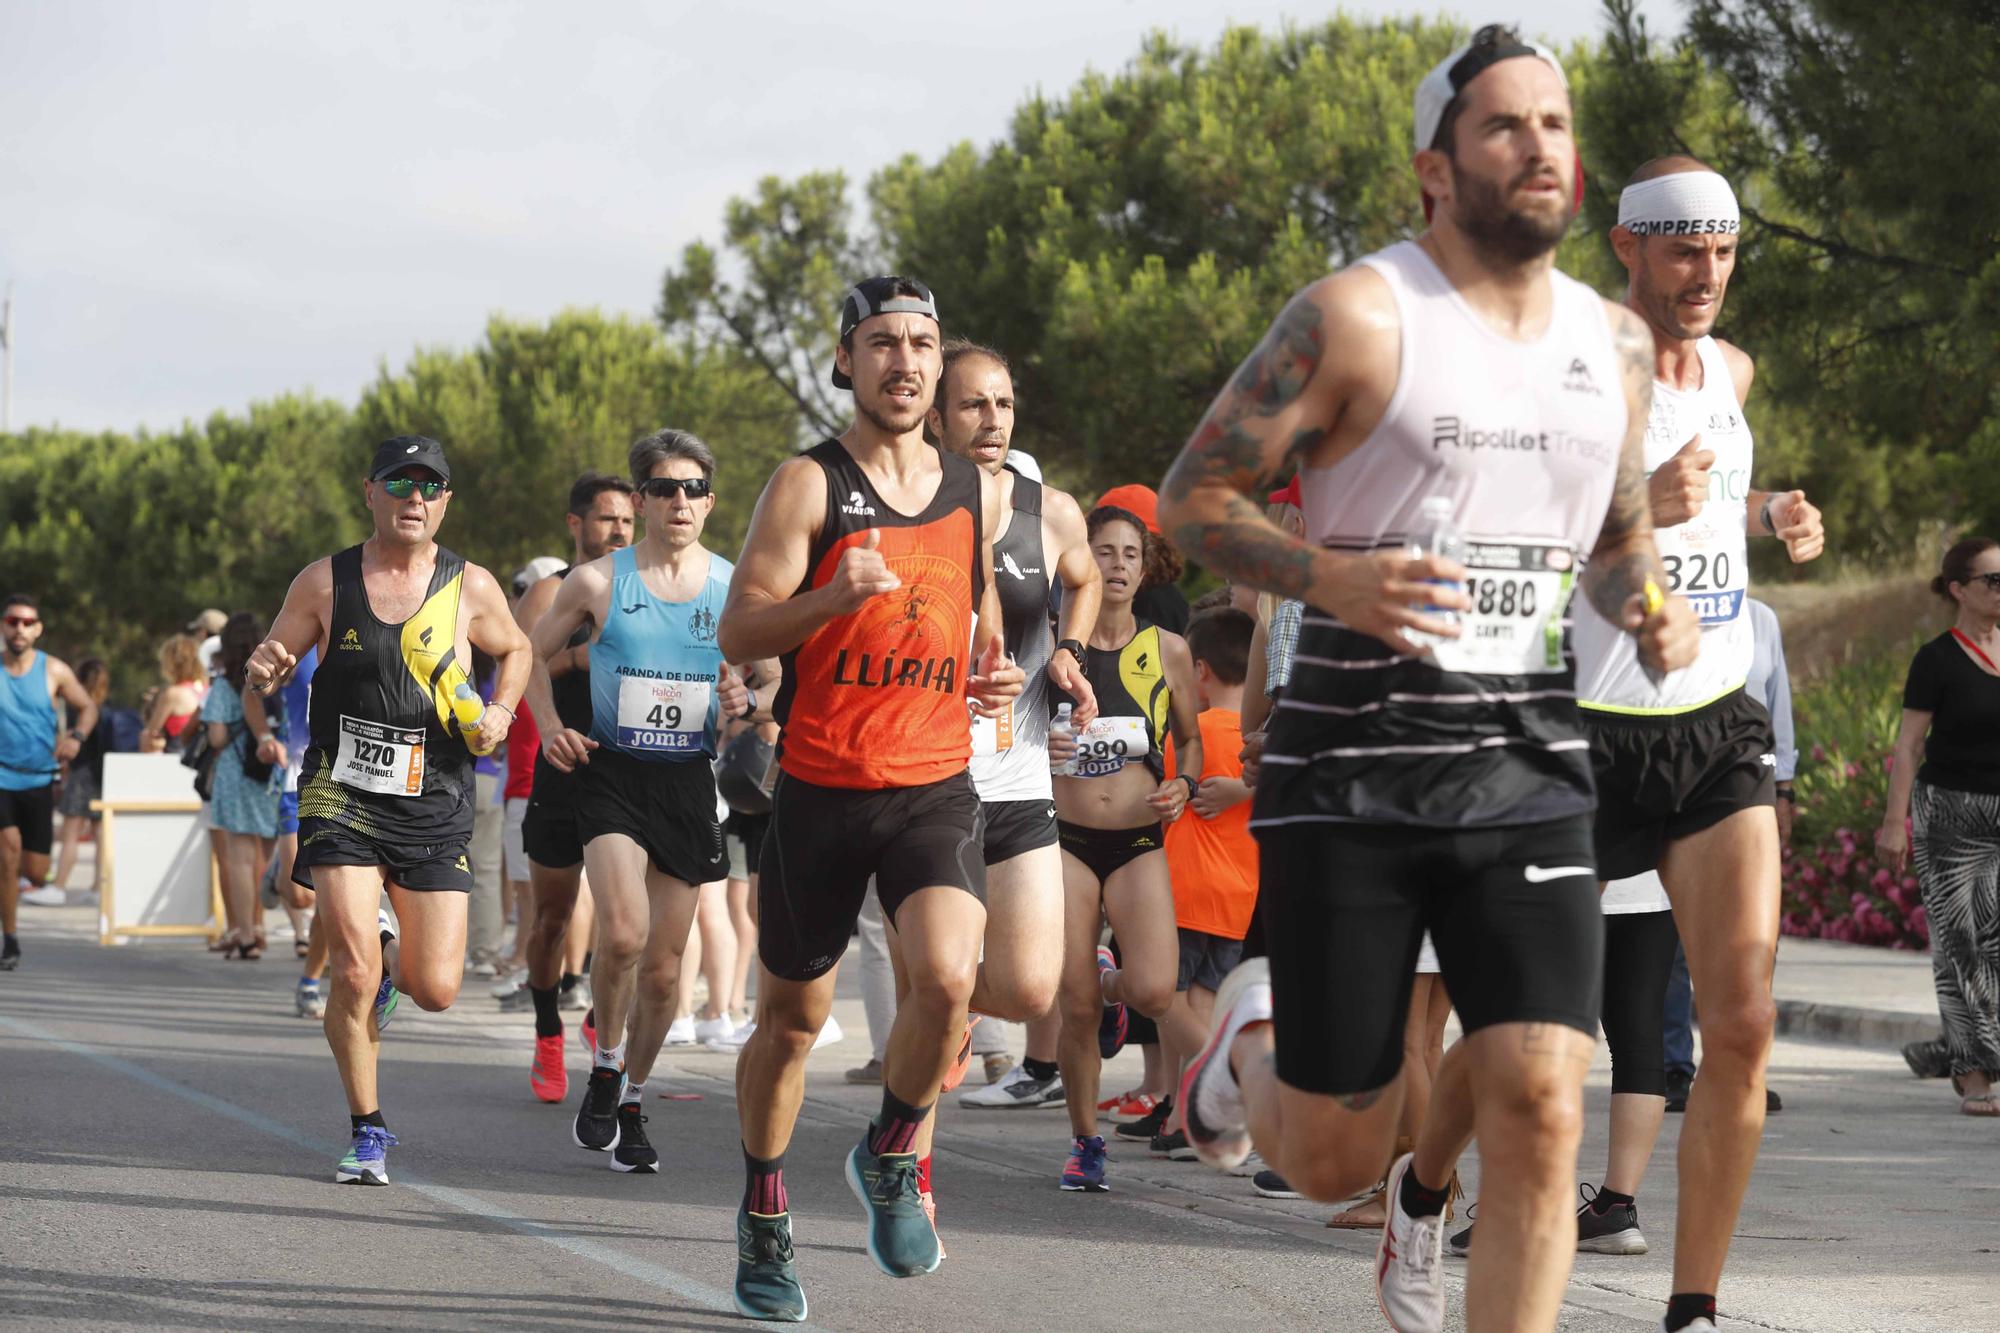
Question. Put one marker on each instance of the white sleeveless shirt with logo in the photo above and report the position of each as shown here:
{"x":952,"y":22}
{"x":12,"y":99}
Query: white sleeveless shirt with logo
{"x":1706,"y":560}
{"x":1524,"y":438}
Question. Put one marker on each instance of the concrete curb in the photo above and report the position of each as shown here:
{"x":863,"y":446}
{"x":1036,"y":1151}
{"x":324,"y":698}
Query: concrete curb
{"x":1852,"y":1025}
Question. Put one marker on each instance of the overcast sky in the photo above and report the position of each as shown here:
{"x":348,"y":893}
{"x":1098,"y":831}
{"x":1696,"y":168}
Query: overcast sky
{"x":206,"y":204}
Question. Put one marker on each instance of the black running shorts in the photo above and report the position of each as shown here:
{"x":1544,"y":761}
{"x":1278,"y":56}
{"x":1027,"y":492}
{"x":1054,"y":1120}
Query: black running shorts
{"x":1664,"y":777}
{"x":1014,"y":827}
{"x":824,"y":844}
{"x":548,"y":827}
{"x":32,"y":811}
{"x":743,"y":836}
{"x":1105,"y":851}
{"x":668,"y":808}
{"x":1206,"y":959}
{"x":1513,"y":913}
{"x":438,"y":866}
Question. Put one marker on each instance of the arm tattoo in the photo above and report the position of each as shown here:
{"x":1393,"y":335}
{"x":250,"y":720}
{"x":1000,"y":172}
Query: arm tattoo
{"x":1247,"y":548}
{"x":1361,"y":1101}
{"x":1625,"y":554}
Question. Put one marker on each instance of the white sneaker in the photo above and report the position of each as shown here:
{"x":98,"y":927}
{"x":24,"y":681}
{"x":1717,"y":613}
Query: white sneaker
{"x":484,"y":968}
{"x":1211,"y":1103}
{"x":829,"y":1034}
{"x":734,"y":1041}
{"x":577,"y":998}
{"x":1249,"y":1166}
{"x":506,"y":985}
{"x":708,"y":1029}
{"x":681,"y":1031}
{"x":1018,"y":1088}
{"x":46,"y":896}
{"x":1409,"y":1267}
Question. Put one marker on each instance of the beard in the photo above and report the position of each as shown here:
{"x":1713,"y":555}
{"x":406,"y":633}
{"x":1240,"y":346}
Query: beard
{"x":1662,"y":309}
{"x":1508,"y":235}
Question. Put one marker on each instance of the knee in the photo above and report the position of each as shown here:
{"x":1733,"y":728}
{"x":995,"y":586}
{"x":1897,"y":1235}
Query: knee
{"x":1026,"y":999}
{"x":937,"y":985}
{"x":431,"y":994}
{"x":1538,"y":1120}
{"x":1739,"y":1030}
{"x":1149,"y":996}
{"x":786,"y":1031}
{"x":1080,"y":999}
{"x":660,"y":983}
{"x":353,"y":974}
{"x":619,"y":943}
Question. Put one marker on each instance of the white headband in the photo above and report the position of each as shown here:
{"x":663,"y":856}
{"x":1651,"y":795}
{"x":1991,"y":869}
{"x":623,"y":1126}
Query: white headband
{"x":1687,"y":203}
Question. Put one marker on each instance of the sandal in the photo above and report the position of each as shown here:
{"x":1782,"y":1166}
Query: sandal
{"x":1982,"y":1104}
{"x":1357,"y":1218}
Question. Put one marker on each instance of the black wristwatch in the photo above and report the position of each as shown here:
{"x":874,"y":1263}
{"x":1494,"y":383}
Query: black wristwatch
{"x":1194,"y":788}
{"x":1784,"y":790}
{"x":77,"y":736}
{"x":749,"y":709}
{"x":1074,"y":647}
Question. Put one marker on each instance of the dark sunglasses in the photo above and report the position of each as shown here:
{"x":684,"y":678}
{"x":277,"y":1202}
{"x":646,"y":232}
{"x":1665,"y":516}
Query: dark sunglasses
{"x":1992,"y":582}
{"x":400,"y":488}
{"x":663,"y":488}
{"x":23,"y":622}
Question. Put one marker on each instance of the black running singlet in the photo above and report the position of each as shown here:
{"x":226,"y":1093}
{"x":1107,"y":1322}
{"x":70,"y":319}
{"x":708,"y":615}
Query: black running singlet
{"x":385,"y":756}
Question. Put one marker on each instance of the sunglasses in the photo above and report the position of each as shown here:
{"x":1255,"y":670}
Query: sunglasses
{"x":23,"y":622}
{"x":663,"y":488}
{"x":400,"y":488}
{"x":1992,"y":582}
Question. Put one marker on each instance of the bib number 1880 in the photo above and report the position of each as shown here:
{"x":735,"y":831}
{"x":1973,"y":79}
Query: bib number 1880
{"x":1499,"y":596}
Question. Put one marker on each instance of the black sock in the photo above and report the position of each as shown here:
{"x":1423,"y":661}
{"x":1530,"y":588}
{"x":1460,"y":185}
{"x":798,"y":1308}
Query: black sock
{"x":1420,"y":1201}
{"x":1684,"y":1307}
{"x":764,"y":1184}
{"x":1039,"y":1070}
{"x":548,"y":1022}
{"x":1606,"y":1200}
{"x":895,"y":1129}
{"x":568,"y":982}
{"x":372,"y":1118}
{"x":589,"y":955}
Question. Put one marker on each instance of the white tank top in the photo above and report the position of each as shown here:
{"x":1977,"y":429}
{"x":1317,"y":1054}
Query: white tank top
{"x":1706,"y":559}
{"x":1524,"y":438}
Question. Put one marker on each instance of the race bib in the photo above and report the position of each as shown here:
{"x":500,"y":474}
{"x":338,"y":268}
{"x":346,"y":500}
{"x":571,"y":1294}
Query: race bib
{"x":1514,"y":627}
{"x":668,"y":716}
{"x":1108,"y":744}
{"x":993,"y":735}
{"x":386,"y":760}
{"x":1714,"y":581}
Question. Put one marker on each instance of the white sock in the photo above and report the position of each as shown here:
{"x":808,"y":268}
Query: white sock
{"x":1252,"y":1006}
{"x":610,"y":1058}
{"x":635,"y":1093}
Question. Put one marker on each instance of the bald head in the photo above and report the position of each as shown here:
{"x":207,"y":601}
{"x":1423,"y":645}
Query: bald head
{"x":1670,"y":165}
{"x":1676,"y":235}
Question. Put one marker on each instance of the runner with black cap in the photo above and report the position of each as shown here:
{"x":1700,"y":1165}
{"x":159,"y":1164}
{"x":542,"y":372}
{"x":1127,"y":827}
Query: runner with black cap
{"x":864,"y":566}
{"x":386,"y":795}
{"x":1468,"y":428}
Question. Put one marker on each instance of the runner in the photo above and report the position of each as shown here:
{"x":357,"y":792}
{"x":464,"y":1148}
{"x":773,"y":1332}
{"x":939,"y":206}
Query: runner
{"x":1114,"y":801}
{"x":1042,"y":542}
{"x":385,"y":798}
{"x":1428,"y":743}
{"x":645,"y":791}
{"x":863,"y":567}
{"x":33,"y":747}
{"x":601,"y":518}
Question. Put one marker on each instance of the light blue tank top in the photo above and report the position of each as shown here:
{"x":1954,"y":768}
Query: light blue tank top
{"x":27,"y":728}
{"x":654,"y":666}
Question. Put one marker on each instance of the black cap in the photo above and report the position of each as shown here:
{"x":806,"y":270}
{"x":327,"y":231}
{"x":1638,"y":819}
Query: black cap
{"x":880,"y":296}
{"x":409,"y":451}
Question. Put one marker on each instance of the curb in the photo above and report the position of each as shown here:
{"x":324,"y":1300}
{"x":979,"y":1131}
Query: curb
{"x":1854,"y":1026}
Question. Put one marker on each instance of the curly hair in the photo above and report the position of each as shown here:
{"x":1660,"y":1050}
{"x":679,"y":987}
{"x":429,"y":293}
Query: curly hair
{"x":180,"y":659}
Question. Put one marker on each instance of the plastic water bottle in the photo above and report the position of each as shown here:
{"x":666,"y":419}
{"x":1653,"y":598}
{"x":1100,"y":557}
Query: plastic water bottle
{"x":1436,"y":534}
{"x":470,"y":710}
{"x":1063,"y":726}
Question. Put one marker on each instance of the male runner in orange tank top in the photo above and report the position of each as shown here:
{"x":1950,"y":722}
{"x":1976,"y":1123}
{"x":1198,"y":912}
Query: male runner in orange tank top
{"x":864,"y":565}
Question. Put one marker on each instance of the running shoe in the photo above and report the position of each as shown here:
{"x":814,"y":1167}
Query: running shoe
{"x":870,"y":1073}
{"x":955,"y":1075}
{"x":521,"y":1001}
{"x":1679,"y":1084}
{"x":1129,"y":1104}
{"x":1613,"y":1231}
{"x":634,"y":1152}
{"x":1250,"y":1167}
{"x":1461,"y":1242}
{"x":576,"y":997}
{"x":367,"y":1160}
{"x":589,"y":1030}
{"x":1211,"y":1103}
{"x":596,"y":1125}
{"x":681,"y":1032}
{"x":48,"y":895}
{"x":548,"y":1075}
{"x":767,"y":1280}
{"x":1083,"y":1173}
{"x":1116,"y":1021}
{"x":735,"y":1040}
{"x":705,"y":1029}
{"x":10,"y":954}
{"x":1019,"y":1088}
{"x":387,"y":997}
{"x":1150,"y":1125}
{"x":901,"y":1239}
{"x":1273,"y":1186}
{"x":1174,"y":1147}
{"x":1702,"y":1324}
{"x":1409,"y":1272}
{"x":308,"y":1002}
{"x":508,"y":983}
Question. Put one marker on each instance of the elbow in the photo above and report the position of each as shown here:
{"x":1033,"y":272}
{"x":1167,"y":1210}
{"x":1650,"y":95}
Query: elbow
{"x":735,"y":645}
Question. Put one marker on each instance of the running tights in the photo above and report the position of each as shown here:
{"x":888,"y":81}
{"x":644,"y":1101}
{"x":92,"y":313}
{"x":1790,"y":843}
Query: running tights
{"x":1638,"y":955}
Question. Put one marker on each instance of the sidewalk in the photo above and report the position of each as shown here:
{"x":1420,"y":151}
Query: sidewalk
{"x":1853,"y":993}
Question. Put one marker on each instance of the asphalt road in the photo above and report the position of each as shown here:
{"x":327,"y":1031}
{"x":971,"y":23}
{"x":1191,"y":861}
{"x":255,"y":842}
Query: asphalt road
{"x":168,"y":1132}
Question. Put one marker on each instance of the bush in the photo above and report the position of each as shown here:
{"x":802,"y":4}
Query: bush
{"x":1834,"y":888}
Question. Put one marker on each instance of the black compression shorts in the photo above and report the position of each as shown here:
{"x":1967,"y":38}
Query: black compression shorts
{"x":668,"y":808}
{"x":1664,"y":777}
{"x":437,"y":866}
{"x":1513,"y":913}
{"x":32,"y":811}
{"x":549,"y":833}
{"x":1014,"y":827}
{"x":825,"y":842}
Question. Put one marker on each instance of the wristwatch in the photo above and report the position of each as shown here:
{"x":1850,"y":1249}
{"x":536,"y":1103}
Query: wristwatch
{"x":1074,"y":647}
{"x":77,"y":736}
{"x":749,"y":709}
{"x":1194,"y":788}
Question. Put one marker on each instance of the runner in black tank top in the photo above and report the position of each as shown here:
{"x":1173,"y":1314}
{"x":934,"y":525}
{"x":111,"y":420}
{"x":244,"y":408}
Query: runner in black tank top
{"x":386,"y":795}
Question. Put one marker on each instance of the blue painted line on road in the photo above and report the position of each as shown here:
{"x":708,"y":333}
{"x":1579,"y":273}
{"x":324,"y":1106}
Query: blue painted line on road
{"x":665,"y":1279}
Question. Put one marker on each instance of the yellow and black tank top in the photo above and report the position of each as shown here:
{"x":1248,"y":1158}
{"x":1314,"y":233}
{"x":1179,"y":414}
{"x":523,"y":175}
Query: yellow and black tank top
{"x":1132,"y":698}
{"x":386,"y":757}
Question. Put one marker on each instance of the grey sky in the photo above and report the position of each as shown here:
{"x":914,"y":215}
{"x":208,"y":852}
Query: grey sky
{"x":207,"y":204}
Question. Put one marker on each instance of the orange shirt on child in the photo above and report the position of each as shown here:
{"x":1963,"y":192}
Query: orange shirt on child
{"x":1214,"y":861}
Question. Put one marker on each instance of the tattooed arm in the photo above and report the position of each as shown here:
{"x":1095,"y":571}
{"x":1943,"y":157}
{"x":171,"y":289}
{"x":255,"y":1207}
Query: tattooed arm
{"x":1625,"y":556}
{"x":1311,"y":392}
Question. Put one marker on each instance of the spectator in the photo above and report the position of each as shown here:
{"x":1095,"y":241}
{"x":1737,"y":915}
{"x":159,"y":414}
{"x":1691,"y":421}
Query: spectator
{"x":86,"y":774}
{"x":1951,"y":709}
{"x":244,"y":807}
{"x":179,"y":700}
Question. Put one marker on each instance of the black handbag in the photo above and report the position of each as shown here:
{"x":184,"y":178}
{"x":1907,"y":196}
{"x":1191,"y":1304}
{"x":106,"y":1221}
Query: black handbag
{"x":746,"y":772}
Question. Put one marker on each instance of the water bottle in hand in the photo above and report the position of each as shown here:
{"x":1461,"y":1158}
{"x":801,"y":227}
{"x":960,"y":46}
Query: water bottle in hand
{"x":1436,"y":534}
{"x":1063,"y":726}
{"x":469,"y":710}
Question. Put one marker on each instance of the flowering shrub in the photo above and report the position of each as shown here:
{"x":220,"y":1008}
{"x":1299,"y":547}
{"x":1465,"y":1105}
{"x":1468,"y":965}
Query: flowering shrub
{"x":1834,"y":888}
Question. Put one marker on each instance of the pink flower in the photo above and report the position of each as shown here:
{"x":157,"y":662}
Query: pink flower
{"x":1853,"y":769}
{"x":1888,"y":763}
{"x":1819,"y":753}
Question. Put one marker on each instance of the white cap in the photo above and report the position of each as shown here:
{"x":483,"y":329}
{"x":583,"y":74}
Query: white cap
{"x":1449,"y":77}
{"x":536,"y":570}
{"x":1025,"y":464}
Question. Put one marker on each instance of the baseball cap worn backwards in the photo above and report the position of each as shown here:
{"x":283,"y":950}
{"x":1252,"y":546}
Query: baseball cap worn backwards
{"x":409,"y":451}
{"x":1450,"y":76}
{"x":880,"y":296}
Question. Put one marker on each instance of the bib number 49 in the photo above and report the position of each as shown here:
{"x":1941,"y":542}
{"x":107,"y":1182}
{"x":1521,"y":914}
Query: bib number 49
{"x":664,"y":715}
